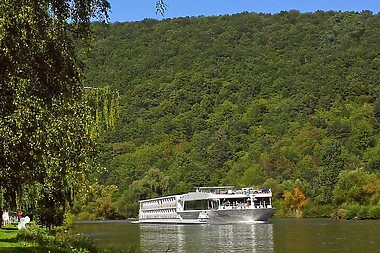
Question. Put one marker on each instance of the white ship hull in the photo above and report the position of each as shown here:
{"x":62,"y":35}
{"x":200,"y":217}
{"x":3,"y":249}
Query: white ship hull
{"x":236,"y":216}
{"x":229,"y":216}
{"x":221,"y":208}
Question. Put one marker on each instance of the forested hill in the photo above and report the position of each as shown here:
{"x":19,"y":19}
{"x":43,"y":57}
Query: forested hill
{"x":285,"y":101}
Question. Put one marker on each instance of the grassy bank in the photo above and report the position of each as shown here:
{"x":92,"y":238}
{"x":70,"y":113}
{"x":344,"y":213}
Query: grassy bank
{"x":58,"y":240}
{"x":10,"y":243}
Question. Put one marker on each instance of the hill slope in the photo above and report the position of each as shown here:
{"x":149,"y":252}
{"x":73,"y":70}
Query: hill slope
{"x":285,"y":101}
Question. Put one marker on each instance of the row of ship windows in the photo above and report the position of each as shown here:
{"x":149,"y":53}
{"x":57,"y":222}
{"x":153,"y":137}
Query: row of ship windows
{"x":165,"y":214}
{"x":159,"y":203}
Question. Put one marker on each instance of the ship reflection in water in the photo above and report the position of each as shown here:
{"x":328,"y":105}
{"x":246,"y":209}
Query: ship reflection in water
{"x":253,"y":237}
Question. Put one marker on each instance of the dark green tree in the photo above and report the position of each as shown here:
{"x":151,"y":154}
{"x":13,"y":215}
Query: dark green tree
{"x":44,"y":138}
{"x":332,"y":163}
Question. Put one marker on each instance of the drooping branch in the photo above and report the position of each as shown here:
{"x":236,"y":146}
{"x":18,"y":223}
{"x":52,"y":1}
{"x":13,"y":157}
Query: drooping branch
{"x":161,"y":7}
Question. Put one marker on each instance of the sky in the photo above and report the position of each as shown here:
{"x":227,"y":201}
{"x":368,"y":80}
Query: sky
{"x":137,"y":10}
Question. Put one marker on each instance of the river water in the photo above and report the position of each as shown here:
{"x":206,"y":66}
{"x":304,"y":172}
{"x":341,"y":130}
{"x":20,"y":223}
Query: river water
{"x":278,"y":235}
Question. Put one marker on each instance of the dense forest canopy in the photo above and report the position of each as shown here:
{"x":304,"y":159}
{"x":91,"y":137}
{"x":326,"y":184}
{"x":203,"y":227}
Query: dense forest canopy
{"x":288,"y":101}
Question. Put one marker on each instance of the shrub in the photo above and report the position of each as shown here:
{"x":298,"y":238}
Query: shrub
{"x":56,"y":239}
{"x":314,"y":210}
{"x":339,"y":213}
{"x":84,"y":243}
{"x":364,"y":212}
{"x":374,"y":212}
{"x":34,"y":233}
{"x":351,"y":212}
{"x":86,"y":216}
{"x":69,"y":220}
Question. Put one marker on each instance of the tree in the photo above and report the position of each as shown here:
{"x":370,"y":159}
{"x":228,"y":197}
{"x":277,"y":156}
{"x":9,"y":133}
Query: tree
{"x":153,"y":185}
{"x":45,"y":123}
{"x":351,"y":187}
{"x":45,"y":144}
{"x":295,"y":201}
{"x":253,"y":176}
{"x":332,"y":163}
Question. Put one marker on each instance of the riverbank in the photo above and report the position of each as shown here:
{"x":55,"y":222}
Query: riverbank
{"x":10,"y":243}
{"x":58,"y":240}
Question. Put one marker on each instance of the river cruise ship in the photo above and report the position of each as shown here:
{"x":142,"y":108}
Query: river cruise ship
{"x":221,"y":205}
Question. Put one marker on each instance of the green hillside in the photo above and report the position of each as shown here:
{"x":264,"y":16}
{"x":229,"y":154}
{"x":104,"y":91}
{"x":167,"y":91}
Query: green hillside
{"x":289,"y":101}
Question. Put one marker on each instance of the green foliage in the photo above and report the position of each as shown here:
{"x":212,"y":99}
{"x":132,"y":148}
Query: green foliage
{"x":374,"y":212}
{"x":363,"y":212}
{"x":36,"y":234}
{"x":154,"y":184}
{"x":56,"y":240}
{"x":316,"y":210}
{"x":253,"y":176}
{"x":244,"y":99}
{"x":95,"y":202}
{"x":275,"y":186}
{"x":332,"y":163}
{"x":37,"y":239}
{"x":8,"y":239}
{"x":373,"y":190}
{"x":45,"y":146}
{"x":104,"y":105}
{"x":350,"y":187}
{"x":84,"y":215}
{"x":351,"y":212}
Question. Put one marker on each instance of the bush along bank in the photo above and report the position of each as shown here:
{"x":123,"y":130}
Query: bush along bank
{"x":37,"y":239}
